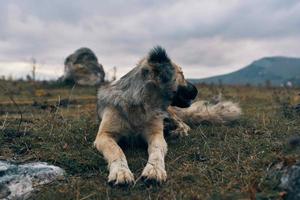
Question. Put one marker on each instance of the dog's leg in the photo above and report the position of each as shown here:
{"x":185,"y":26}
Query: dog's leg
{"x":157,"y":149}
{"x":119,"y":172}
{"x":182,"y":128}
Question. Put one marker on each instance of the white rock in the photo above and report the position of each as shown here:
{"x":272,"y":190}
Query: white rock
{"x":18,"y":181}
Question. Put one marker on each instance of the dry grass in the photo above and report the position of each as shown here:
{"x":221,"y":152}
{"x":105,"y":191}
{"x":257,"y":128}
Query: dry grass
{"x":214,"y":162}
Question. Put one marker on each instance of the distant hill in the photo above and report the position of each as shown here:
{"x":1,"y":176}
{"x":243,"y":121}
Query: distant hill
{"x":278,"y":70}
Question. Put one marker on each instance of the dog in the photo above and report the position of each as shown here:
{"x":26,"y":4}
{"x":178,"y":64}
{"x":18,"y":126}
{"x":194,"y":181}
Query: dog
{"x":139,"y":104}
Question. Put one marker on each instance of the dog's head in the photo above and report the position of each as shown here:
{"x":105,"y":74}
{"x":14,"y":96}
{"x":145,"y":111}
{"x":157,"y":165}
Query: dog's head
{"x":185,"y":92}
{"x":160,"y":72}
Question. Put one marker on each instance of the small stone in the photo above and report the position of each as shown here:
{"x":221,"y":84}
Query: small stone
{"x":294,"y":141}
{"x":65,"y":146}
{"x":290,"y":182}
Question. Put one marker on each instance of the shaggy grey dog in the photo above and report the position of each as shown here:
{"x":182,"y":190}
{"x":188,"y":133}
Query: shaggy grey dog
{"x":139,"y":102}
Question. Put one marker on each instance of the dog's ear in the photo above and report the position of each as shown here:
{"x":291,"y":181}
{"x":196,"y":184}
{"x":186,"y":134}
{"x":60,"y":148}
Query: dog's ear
{"x":160,"y":64}
{"x":158,"y":55}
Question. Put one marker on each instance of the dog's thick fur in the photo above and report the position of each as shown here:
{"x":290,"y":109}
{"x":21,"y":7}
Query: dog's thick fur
{"x":139,"y":103}
{"x":181,"y":120}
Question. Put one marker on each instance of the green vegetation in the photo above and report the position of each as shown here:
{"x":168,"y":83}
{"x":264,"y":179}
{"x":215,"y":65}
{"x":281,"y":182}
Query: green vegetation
{"x":59,"y":125}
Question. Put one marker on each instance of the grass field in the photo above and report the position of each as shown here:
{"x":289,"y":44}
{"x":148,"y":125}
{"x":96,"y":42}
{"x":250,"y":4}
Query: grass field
{"x":59,"y":125}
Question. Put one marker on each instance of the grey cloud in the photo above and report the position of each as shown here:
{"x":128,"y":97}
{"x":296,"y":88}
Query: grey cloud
{"x":208,"y":34}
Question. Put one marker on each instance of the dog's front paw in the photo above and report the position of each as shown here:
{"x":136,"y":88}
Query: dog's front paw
{"x":181,"y":131}
{"x":120,"y":176}
{"x":154,"y":173}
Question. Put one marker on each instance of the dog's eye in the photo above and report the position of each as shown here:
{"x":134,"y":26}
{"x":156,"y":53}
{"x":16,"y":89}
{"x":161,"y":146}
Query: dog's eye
{"x":165,"y":78}
{"x":145,"y":72}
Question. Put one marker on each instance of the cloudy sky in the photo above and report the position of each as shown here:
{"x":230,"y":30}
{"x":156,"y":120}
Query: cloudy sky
{"x":205,"y":37}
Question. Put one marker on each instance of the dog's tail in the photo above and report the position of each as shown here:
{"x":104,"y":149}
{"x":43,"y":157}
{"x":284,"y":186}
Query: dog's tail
{"x":199,"y":112}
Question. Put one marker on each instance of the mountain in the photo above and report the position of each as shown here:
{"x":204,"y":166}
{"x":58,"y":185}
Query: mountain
{"x":276,"y":70}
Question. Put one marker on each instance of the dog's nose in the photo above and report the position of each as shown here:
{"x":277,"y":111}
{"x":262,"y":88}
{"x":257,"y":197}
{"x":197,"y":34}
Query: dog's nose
{"x":192,"y":91}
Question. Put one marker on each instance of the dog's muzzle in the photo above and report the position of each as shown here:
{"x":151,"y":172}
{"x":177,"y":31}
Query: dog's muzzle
{"x":184,"y":95}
